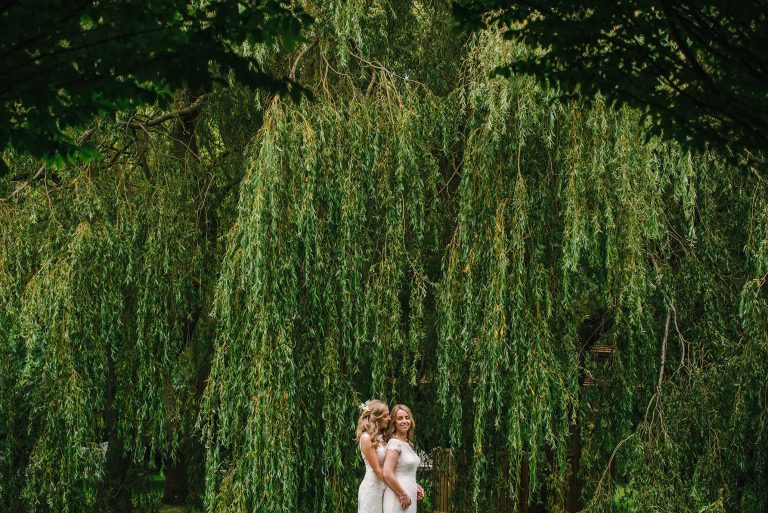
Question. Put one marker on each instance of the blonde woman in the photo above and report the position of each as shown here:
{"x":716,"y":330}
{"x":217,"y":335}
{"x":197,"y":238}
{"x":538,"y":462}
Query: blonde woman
{"x":373,"y":421}
{"x":401,"y":463}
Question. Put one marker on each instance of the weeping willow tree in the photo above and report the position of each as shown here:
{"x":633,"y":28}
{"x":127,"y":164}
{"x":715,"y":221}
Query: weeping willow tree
{"x":575,"y":231}
{"x":419,"y":232}
{"x":467,"y":249}
{"x":105,"y":273}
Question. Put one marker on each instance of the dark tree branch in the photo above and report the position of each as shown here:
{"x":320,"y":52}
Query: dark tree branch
{"x":193,"y":108}
{"x":294,"y":68}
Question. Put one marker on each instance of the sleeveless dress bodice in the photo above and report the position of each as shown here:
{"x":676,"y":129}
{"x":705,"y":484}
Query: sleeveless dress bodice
{"x":405,"y":472}
{"x":371,"y":490}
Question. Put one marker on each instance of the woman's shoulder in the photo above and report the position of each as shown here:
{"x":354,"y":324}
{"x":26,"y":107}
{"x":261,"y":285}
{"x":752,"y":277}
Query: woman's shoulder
{"x":375,"y":440}
{"x":395,"y":444}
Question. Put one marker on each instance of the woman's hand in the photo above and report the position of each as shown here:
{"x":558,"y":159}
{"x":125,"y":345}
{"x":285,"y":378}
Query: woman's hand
{"x":419,"y":492}
{"x":405,"y":501}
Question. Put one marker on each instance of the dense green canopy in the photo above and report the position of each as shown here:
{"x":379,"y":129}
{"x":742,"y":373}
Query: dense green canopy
{"x":217,"y":306}
{"x":64,"y":62}
{"x":697,"y":68}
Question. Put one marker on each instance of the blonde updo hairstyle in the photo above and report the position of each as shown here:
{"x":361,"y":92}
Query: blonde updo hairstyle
{"x":371,"y":413}
{"x":392,"y":429}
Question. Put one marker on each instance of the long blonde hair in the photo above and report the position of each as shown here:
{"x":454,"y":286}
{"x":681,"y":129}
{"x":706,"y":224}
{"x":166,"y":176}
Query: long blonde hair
{"x":393,"y":427}
{"x":371,"y":413}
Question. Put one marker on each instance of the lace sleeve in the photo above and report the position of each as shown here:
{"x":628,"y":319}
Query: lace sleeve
{"x":394,"y":445}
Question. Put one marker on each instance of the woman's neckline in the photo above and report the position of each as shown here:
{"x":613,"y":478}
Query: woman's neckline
{"x":405,"y":442}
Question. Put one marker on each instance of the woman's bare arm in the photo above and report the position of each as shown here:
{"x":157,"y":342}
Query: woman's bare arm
{"x":390,"y":461}
{"x":369,"y":453}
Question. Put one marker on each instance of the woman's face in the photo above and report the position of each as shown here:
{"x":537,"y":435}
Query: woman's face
{"x":385,"y":420}
{"x":402,"y":422}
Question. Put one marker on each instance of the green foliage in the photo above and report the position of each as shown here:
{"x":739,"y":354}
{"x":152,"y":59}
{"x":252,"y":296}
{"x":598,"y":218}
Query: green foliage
{"x":335,"y":218}
{"x":696,"y":68}
{"x":421,"y":233}
{"x":562,"y":216}
{"x":699,"y":446}
{"x":64,"y":63}
{"x":104,"y":302}
{"x":101,"y":325}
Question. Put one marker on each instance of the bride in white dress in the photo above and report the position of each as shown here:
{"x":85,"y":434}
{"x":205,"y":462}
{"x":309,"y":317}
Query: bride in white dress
{"x":374,"y":418}
{"x":401,"y":463}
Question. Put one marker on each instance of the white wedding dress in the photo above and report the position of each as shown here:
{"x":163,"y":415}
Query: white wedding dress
{"x":405,"y":472}
{"x":369,"y":495}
